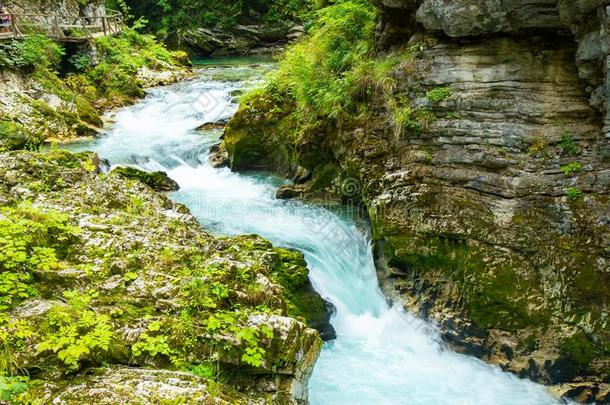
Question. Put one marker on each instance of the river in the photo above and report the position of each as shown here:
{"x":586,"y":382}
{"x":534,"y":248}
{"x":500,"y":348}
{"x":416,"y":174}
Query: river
{"x":382,"y":355}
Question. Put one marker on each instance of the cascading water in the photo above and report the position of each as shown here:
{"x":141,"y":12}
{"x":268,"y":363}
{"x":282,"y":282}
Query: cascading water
{"x":382,"y":355}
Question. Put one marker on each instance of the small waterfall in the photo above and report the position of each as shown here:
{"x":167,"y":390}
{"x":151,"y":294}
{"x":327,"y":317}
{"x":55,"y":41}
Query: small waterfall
{"x":382,"y":355}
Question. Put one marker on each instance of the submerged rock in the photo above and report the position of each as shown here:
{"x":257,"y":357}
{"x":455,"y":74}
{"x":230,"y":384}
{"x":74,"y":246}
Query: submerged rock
{"x":219,"y":156}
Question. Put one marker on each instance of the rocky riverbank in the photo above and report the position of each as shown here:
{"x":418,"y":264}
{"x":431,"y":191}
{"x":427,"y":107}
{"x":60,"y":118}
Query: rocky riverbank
{"x":477,"y":142}
{"x":52,"y":92}
{"x":111,"y":290}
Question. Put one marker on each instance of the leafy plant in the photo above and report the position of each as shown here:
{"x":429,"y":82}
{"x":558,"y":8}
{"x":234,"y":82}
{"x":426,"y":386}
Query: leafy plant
{"x":13,"y":337}
{"x":568,"y":145}
{"x":30,"y":240}
{"x":130,"y":276}
{"x":74,"y":332}
{"x":438,"y":94}
{"x":321,"y":72}
{"x":573,"y":193}
{"x":208,"y":371}
{"x":35,"y":51}
{"x":80,"y":61}
{"x":170,"y":16}
{"x":152,"y":343}
{"x":10,"y":387}
{"x":538,"y":146}
{"x":252,"y":354}
{"x":571,"y":168}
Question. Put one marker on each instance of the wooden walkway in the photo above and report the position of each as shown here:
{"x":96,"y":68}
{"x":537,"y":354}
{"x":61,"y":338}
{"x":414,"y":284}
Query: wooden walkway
{"x":60,"y":28}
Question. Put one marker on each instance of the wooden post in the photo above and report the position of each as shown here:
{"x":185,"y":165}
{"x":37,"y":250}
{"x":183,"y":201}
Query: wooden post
{"x":14,"y":25}
{"x":56,"y":27}
{"x":104,"y":25}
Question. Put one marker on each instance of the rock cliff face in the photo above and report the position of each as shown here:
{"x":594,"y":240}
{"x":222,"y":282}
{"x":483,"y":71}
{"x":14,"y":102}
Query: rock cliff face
{"x":490,"y":202}
{"x":241,"y":39}
{"x":61,"y":7}
{"x":585,"y":22}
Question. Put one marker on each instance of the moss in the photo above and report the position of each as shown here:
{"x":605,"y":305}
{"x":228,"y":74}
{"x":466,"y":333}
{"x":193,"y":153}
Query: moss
{"x":158,"y":181}
{"x":15,"y":136}
{"x":87,"y":112}
{"x":579,"y":349}
{"x":493,"y":298}
{"x":291,"y":270}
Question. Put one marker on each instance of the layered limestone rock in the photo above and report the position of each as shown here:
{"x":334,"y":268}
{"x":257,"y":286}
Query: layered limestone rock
{"x":114,"y":273}
{"x":588,"y":21}
{"x":241,"y":39}
{"x":484,"y":166}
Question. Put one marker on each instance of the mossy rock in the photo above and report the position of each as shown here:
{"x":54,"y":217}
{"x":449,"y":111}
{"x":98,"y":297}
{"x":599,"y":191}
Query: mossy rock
{"x":14,"y":136}
{"x":158,"y":181}
{"x":292,"y":273}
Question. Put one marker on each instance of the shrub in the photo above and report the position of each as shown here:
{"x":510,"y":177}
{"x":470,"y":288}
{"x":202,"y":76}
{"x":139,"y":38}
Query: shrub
{"x":171,"y":16}
{"x":567,"y":145}
{"x":121,"y":58}
{"x":35,"y":51}
{"x":319,"y":72}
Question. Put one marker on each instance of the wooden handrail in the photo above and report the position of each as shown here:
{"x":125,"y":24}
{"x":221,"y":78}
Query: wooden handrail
{"x":60,"y":27}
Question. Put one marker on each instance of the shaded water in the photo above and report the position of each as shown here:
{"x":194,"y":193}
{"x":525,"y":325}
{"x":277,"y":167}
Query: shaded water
{"x":382,"y":355}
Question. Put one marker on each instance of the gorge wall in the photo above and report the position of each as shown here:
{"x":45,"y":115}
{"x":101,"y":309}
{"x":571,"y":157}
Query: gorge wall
{"x":489,"y":190}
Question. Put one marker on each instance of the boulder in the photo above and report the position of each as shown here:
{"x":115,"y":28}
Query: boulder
{"x":219,"y":156}
{"x":158,"y":181}
{"x":135,"y":386}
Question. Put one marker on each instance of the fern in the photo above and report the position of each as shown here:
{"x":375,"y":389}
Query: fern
{"x":74,"y":333}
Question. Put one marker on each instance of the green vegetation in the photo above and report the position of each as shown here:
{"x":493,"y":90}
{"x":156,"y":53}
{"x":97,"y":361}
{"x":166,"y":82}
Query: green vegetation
{"x":165,"y":17}
{"x":10,"y":387}
{"x":579,"y":350}
{"x":218,"y":294}
{"x":121,"y":57}
{"x":568,"y":145}
{"x":34,"y":52}
{"x":493,"y":299}
{"x":15,"y":136}
{"x":325,"y":81}
{"x":30,"y":240}
{"x":75,"y":332}
{"x":571,"y":168}
{"x":573,"y":193}
{"x":538,"y":148}
{"x":438,"y":94}
{"x":82,"y":92}
{"x":322,"y":72}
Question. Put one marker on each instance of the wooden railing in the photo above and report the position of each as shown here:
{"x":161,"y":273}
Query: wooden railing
{"x":60,"y":27}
